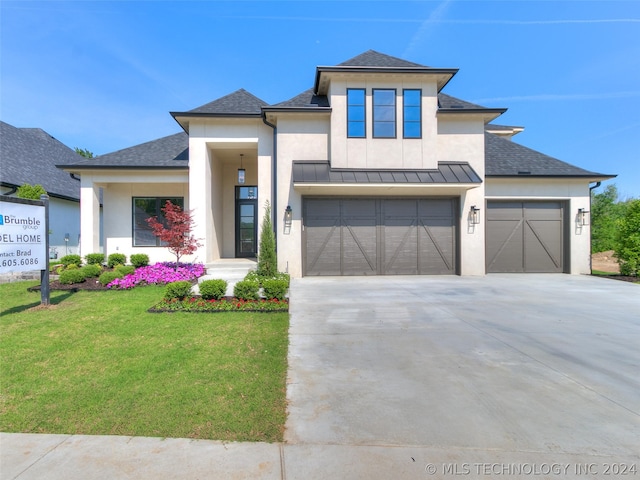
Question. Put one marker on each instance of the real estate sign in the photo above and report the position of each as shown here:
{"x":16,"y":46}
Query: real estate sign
{"x":23,"y":235}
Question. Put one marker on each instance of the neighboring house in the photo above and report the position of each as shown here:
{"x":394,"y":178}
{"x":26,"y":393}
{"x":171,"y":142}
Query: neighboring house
{"x":373,"y":171}
{"x":30,"y":155}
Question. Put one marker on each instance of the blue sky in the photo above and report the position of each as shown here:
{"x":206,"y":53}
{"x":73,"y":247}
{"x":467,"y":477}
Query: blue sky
{"x":103,"y":75}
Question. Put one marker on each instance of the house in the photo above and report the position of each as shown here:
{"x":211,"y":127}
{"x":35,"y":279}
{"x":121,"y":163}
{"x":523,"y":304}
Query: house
{"x":373,"y":171}
{"x":30,"y":155}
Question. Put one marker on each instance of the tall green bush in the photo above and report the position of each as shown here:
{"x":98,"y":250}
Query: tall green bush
{"x":628,"y":248}
{"x":267,"y":260}
{"x":31,"y":192}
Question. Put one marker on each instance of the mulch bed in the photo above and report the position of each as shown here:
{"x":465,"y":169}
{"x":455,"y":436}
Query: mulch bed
{"x":624,"y":278}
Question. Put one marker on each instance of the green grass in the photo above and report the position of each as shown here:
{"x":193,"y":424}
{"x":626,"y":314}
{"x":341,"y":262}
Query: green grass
{"x":98,"y":363}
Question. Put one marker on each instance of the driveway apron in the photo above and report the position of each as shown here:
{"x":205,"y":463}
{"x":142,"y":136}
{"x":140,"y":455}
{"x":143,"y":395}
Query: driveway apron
{"x":502,"y":366}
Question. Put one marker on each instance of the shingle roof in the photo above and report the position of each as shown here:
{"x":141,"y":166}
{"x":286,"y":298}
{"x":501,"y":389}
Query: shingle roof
{"x":507,"y":158}
{"x":164,"y":153}
{"x":321,"y":172}
{"x":305,"y":99}
{"x":30,"y":155}
{"x":447,"y":101}
{"x":238,"y":102}
{"x":371,"y":58}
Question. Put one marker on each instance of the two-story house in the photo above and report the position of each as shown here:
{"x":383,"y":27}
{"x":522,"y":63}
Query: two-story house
{"x":373,"y":171}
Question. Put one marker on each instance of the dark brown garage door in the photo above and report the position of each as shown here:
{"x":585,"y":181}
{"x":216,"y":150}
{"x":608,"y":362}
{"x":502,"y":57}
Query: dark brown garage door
{"x":525,"y":237}
{"x":374,"y":236}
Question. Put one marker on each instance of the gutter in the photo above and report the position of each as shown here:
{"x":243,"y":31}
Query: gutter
{"x":274,"y":178}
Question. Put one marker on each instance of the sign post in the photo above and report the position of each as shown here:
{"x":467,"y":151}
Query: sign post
{"x":24,"y":238}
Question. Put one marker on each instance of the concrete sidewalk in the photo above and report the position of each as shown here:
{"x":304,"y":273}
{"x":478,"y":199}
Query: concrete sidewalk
{"x":512,"y":376}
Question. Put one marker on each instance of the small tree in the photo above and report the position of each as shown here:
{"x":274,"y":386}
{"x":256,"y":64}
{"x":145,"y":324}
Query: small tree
{"x":32,"y":192}
{"x":628,"y":245}
{"x":84,"y":152}
{"x":177,"y":232}
{"x":267,"y":260}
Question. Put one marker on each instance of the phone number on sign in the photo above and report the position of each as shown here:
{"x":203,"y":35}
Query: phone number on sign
{"x":15,"y":262}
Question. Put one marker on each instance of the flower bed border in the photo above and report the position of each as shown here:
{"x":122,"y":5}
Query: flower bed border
{"x":230,"y":300}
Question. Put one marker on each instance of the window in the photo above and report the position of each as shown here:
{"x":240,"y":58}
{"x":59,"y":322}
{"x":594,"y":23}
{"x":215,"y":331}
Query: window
{"x":146,"y":207}
{"x":412,"y":113}
{"x":356,"y":113}
{"x":384,"y":113}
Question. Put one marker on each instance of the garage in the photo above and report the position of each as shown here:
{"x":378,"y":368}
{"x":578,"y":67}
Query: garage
{"x":379,"y":236}
{"x":525,"y":237}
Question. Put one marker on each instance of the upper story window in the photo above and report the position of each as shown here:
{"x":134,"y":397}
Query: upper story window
{"x":384,"y":113}
{"x":356,"y":127}
{"x":412,"y":113}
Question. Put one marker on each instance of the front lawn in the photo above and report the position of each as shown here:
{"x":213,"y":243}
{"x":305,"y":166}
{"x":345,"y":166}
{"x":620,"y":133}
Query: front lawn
{"x":98,"y":363}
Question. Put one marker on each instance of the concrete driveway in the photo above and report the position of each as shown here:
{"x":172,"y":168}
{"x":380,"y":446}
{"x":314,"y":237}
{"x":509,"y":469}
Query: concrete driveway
{"x":446,"y":375}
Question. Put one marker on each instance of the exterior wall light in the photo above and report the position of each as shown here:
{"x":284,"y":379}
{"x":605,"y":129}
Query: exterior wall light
{"x":241,"y":171}
{"x":288,"y":214}
{"x":66,"y":244}
{"x":474,"y":215}
{"x":583,"y":216}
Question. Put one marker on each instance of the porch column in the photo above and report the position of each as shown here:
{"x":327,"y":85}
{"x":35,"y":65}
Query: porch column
{"x":200,"y":200}
{"x":89,"y":216}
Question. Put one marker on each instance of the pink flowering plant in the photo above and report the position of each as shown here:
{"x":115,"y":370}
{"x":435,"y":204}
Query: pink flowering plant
{"x":159,"y":274}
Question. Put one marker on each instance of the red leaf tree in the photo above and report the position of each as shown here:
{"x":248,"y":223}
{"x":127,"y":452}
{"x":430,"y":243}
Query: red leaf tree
{"x":175,"y":231}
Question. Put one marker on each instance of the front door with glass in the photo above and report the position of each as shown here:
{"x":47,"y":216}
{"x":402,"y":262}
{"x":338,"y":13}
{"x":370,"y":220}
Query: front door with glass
{"x":246,"y":221}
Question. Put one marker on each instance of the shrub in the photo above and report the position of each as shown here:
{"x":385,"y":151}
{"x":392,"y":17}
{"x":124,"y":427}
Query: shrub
{"x":91,"y":270}
{"x":274,"y":288}
{"x":125,"y":269}
{"x":72,"y":276}
{"x":179,"y":290}
{"x":285,"y":277}
{"x":108,"y":277}
{"x":139,"y":260}
{"x":116,"y":259}
{"x":267,"y":260}
{"x":628,"y":249}
{"x":213,"y":289}
{"x":252,"y":276}
{"x":246,"y":290}
{"x":95,"y":258}
{"x":71,"y":260}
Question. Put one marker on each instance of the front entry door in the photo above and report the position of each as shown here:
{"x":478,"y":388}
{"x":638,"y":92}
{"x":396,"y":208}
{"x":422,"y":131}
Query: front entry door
{"x":246,"y":221}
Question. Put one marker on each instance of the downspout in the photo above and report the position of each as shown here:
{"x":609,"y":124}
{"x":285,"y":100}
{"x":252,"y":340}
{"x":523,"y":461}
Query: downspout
{"x":591,"y":189}
{"x":74,"y":176}
{"x":274,"y":178}
{"x":11,"y":192}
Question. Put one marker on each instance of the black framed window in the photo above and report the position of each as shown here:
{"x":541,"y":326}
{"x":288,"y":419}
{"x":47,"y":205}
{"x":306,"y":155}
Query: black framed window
{"x":412,"y":113}
{"x":356,"y":111}
{"x":384,"y":113}
{"x":146,"y":207}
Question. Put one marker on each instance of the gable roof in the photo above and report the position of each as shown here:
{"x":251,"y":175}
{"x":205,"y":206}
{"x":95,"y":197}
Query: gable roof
{"x":371,"y":58}
{"x":30,"y":155}
{"x":171,"y":152}
{"x":239,"y":102}
{"x":505,"y":158}
{"x":376,"y":62}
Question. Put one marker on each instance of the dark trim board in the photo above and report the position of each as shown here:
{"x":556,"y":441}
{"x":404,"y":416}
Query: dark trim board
{"x":380,"y":236}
